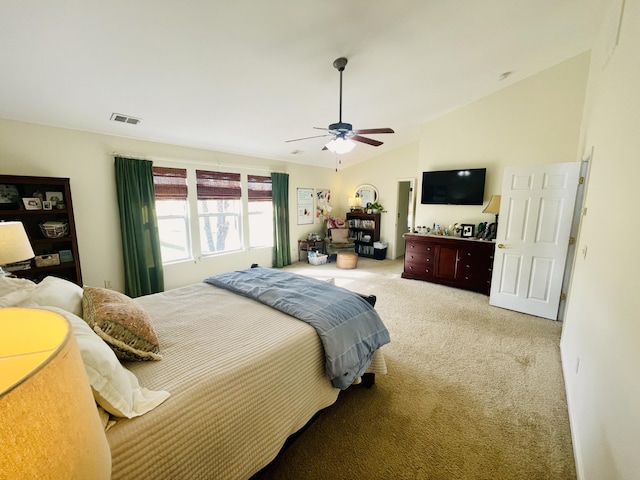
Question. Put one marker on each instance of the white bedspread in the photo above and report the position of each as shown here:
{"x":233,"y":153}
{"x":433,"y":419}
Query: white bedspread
{"x":228,"y":363}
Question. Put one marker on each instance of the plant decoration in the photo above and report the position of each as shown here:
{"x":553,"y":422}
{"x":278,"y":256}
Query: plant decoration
{"x":376,"y":207}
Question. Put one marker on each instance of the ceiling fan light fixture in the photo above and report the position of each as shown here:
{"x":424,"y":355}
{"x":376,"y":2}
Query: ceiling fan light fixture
{"x":340,"y":145}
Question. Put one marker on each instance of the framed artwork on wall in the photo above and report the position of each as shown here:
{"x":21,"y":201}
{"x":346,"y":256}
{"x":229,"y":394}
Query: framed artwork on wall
{"x":305,"y":206}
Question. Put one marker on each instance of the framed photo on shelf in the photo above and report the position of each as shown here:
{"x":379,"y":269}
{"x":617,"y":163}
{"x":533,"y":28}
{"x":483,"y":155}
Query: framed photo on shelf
{"x":54,"y":197}
{"x":32,"y":203}
{"x":467,"y":230}
{"x":9,"y":197}
{"x":46,"y":205}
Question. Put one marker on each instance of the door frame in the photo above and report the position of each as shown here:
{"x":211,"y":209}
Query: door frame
{"x":409,"y":212}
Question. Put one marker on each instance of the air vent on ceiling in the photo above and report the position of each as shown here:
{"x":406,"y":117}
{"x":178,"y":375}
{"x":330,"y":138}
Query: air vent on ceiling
{"x":118,"y":117}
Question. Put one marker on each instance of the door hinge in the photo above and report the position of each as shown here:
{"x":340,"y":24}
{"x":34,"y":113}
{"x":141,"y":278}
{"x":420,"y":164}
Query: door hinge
{"x":580,"y":180}
{"x":563,"y":296}
{"x":572,"y":240}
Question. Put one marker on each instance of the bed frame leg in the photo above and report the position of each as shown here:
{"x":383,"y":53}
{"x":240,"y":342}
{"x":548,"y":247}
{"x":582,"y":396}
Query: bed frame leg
{"x":368,"y":379}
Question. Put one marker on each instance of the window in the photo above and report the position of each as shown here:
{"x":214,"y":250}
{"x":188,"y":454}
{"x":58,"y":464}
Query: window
{"x":219,"y":211}
{"x":260,"y":211}
{"x":173,"y":213}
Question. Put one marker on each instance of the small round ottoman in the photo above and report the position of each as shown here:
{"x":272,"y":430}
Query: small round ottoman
{"x":347,"y":260}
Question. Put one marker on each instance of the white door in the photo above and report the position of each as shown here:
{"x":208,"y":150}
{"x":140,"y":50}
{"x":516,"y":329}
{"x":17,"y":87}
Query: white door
{"x":536,"y":211}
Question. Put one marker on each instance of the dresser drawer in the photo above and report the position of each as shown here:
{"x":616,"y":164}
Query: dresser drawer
{"x":419,"y":248}
{"x":418,"y":269}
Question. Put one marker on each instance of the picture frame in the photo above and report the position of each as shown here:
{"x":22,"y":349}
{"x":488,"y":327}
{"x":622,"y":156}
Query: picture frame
{"x":54,"y":197}
{"x":467,"y":230}
{"x":46,"y":205}
{"x":9,"y":197}
{"x":32,"y":203}
{"x":305,"y":206}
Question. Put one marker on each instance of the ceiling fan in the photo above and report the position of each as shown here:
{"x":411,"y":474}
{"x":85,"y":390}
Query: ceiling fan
{"x":343,"y":132}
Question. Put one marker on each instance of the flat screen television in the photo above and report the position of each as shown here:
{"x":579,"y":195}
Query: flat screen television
{"x":453,"y":187}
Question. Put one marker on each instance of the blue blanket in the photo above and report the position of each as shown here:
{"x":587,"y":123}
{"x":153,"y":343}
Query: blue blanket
{"x":350,"y":329}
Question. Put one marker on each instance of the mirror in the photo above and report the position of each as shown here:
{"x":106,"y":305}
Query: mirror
{"x":367,"y":194}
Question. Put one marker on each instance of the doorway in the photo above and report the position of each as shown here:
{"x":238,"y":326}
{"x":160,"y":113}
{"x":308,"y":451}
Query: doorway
{"x":405,"y":214}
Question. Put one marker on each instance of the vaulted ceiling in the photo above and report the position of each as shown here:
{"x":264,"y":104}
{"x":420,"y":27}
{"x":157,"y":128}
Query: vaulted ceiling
{"x":244,"y":76}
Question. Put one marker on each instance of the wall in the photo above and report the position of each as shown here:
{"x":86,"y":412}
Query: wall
{"x":601,"y":337}
{"x":536,"y":120}
{"x":383,"y":172}
{"x":27,"y":149}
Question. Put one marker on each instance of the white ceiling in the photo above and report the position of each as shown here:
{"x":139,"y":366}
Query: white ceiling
{"x":243,"y":76}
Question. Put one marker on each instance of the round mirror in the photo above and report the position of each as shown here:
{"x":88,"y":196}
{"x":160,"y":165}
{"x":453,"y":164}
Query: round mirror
{"x":367,"y":194}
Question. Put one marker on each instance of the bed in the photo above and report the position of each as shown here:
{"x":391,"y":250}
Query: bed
{"x":239,"y":376}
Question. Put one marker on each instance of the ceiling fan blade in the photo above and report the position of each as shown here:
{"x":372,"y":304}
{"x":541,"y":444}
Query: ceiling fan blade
{"x":306,"y":138}
{"x":320,"y":128}
{"x":369,"y":141}
{"x":374,"y":130}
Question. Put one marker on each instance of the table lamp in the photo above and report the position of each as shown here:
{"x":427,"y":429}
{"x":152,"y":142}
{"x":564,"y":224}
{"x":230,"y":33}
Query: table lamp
{"x":493,"y":207}
{"x":50,"y":427}
{"x":355,"y":203}
{"x":14,"y":244}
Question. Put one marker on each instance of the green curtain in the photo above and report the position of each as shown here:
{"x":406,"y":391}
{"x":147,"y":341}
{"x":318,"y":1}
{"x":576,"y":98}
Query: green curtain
{"x":280,"y":200}
{"x":139,"y":227}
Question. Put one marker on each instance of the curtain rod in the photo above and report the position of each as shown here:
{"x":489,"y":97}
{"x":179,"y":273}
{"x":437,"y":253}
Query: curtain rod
{"x":215,"y":163}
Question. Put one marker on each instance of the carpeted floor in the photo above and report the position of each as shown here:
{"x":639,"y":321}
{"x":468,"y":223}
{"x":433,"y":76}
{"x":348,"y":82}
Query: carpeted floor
{"x":473,"y":392}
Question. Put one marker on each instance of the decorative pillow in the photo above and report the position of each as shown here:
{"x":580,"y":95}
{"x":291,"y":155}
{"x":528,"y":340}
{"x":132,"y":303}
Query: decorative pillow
{"x":339,"y":235}
{"x":120,"y":322}
{"x":334,"y":222}
{"x":56,"y":292}
{"x":114,"y":387}
{"x":13,"y":291}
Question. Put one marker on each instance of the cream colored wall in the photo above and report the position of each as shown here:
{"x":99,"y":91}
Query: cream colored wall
{"x":383,"y":172}
{"x":27,"y":149}
{"x":601,"y":336}
{"x":536,"y":120}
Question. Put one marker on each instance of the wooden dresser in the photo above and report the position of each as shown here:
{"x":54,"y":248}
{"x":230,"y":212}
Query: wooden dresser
{"x":456,"y":262}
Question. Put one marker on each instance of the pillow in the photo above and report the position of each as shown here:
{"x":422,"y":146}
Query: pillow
{"x":339,"y":235}
{"x":114,"y":387}
{"x":120,"y":322}
{"x":56,"y":292}
{"x":14,"y":291}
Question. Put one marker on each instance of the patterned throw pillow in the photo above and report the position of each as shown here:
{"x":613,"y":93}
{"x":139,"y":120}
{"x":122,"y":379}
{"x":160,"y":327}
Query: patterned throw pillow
{"x":120,"y":322}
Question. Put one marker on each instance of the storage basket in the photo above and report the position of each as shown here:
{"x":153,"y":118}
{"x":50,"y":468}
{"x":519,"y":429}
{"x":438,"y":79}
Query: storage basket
{"x":318,"y":259}
{"x":55,"y":229}
{"x":47,"y":260}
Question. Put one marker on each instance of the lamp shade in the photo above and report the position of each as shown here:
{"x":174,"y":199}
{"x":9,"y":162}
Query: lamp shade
{"x":50,"y":426}
{"x":355,"y":202}
{"x":340,"y":145}
{"x":14,"y":243}
{"x":493,"y":206}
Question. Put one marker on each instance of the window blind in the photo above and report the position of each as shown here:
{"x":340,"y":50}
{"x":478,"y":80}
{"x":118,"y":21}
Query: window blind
{"x":259,"y":188}
{"x":170,"y":183}
{"x":218,"y":185}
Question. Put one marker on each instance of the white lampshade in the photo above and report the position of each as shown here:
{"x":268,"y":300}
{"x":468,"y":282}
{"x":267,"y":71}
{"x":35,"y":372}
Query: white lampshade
{"x":340,"y":145}
{"x":14,"y":243}
{"x":355,"y":202}
{"x":493,"y":206}
{"x":50,"y":427}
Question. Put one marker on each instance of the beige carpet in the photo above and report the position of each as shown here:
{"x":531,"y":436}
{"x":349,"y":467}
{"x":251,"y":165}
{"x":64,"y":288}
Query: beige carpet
{"x":473,"y":392}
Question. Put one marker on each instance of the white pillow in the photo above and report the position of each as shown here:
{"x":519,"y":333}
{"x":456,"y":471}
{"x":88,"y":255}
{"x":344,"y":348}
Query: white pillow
{"x":114,"y":387}
{"x":56,"y":292}
{"x":14,"y":291}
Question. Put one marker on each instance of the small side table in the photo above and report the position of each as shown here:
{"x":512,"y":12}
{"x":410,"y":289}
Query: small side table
{"x":307,"y":245}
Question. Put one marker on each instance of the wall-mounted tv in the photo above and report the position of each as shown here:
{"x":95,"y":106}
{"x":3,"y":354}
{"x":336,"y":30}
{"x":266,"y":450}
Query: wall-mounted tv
{"x":453,"y":187}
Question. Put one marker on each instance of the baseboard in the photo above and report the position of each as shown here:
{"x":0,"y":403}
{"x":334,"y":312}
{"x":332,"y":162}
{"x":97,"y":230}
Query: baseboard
{"x":577,"y":457}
